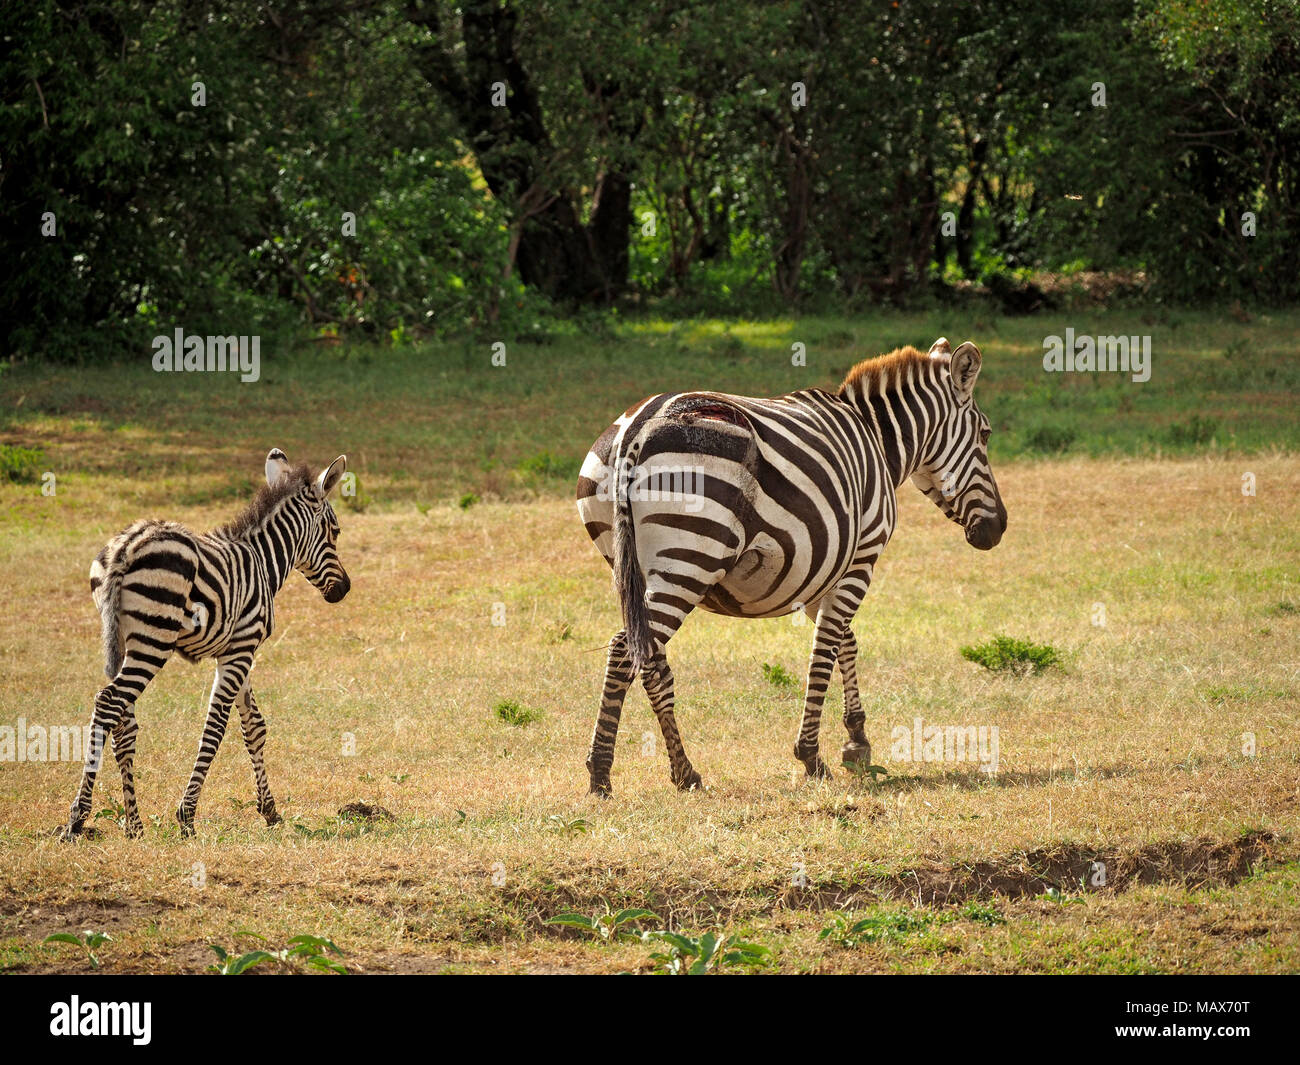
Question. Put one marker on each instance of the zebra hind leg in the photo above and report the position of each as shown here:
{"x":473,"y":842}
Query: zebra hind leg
{"x":618,"y":678}
{"x":114,"y":715}
{"x":124,"y":751}
{"x":857,"y":751}
{"x":253,"y":725}
{"x":104,"y":720}
{"x":658,"y":681}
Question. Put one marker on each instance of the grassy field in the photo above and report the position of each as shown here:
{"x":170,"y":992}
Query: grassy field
{"x":1129,"y":828}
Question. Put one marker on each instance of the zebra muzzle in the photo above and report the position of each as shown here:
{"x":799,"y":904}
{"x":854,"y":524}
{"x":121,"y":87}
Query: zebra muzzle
{"x":984,"y":533}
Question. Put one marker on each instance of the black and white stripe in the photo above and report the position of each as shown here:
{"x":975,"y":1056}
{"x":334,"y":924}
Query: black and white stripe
{"x":755,"y":508}
{"x":162,"y":589}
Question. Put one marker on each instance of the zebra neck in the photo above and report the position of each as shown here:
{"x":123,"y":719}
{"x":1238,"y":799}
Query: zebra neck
{"x":275,"y":541}
{"x":902,"y":423}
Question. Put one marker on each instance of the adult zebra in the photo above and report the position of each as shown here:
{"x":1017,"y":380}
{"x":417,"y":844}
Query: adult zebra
{"x":161,"y":588}
{"x":755,"y":508}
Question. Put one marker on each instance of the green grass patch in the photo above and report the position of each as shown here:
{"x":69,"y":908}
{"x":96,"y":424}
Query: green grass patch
{"x":516,"y":714}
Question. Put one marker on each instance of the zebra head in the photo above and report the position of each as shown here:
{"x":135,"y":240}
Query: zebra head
{"x":317,"y":558}
{"x":955,"y":471}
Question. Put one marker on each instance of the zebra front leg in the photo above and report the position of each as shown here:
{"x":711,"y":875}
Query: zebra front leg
{"x":828,"y":640}
{"x":858,"y":748}
{"x":657,"y":679}
{"x":230,"y":678}
{"x":253,"y":726}
{"x":618,"y":678}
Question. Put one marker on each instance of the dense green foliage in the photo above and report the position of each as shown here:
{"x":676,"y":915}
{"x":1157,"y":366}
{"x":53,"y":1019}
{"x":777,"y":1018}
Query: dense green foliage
{"x":201,"y":164}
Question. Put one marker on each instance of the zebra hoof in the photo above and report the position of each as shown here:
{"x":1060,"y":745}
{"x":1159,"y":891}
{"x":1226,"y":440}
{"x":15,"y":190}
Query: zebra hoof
{"x":134,"y":829}
{"x":690,"y":782}
{"x":186,"y":823}
{"x":601,"y":788}
{"x":855,"y":754}
{"x":69,"y":833}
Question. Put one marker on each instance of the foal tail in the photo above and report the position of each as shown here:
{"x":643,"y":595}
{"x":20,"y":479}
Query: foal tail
{"x":106,"y":575}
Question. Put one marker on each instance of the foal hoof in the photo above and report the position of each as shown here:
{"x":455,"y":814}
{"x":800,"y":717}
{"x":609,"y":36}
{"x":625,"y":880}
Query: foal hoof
{"x":69,"y":833}
{"x":817,"y":769}
{"x":601,"y":788}
{"x":855,"y":754}
{"x":134,"y":829}
{"x":186,"y":823}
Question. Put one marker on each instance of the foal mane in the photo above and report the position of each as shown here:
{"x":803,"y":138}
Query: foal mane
{"x":267,"y":499}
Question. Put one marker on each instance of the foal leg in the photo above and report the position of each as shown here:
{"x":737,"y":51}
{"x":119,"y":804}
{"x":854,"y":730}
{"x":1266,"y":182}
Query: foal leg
{"x":253,"y":726}
{"x":232,"y":672}
{"x":618,"y":678}
{"x":114,"y":715}
{"x":124,"y":750}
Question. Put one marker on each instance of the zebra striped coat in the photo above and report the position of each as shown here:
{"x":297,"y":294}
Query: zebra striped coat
{"x":755,"y":508}
{"x":162,"y":589}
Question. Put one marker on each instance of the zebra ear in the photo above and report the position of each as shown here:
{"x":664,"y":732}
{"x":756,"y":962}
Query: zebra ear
{"x":965,"y":368}
{"x":330,"y":478}
{"x":277,"y":466}
{"x":939,"y":347}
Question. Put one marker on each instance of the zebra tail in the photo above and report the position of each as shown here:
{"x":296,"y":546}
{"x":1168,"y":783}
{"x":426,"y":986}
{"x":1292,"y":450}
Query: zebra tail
{"x":106,"y":575}
{"x":629,"y":581}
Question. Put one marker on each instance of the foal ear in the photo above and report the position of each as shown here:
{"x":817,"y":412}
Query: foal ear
{"x":965,"y":368}
{"x":939,"y":347}
{"x":330,"y":478}
{"x":277,"y":466}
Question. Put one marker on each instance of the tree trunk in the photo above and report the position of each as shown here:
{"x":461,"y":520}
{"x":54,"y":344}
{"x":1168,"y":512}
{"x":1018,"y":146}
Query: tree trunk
{"x":556,"y":254}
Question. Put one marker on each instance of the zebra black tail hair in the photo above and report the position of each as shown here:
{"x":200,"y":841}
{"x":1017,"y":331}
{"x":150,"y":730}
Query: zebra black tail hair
{"x":629,"y":581}
{"x":106,"y":576}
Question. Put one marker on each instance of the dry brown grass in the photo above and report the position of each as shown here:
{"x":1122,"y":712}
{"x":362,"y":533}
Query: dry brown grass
{"x":1132,"y":753}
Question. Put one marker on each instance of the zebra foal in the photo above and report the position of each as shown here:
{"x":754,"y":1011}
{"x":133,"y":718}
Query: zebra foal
{"x":162,"y":589}
{"x":756,"y":508}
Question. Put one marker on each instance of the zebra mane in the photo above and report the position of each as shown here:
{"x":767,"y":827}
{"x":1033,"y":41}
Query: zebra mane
{"x":872,"y":375}
{"x":267,"y":499}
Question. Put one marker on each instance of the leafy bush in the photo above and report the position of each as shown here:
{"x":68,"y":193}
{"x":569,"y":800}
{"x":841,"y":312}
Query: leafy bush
{"x":301,"y":952}
{"x":1050,"y":438}
{"x":1194,"y":432}
{"x":1006,"y":654}
{"x":779,"y":677}
{"x":707,"y":953}
{"x":20,"y":465}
